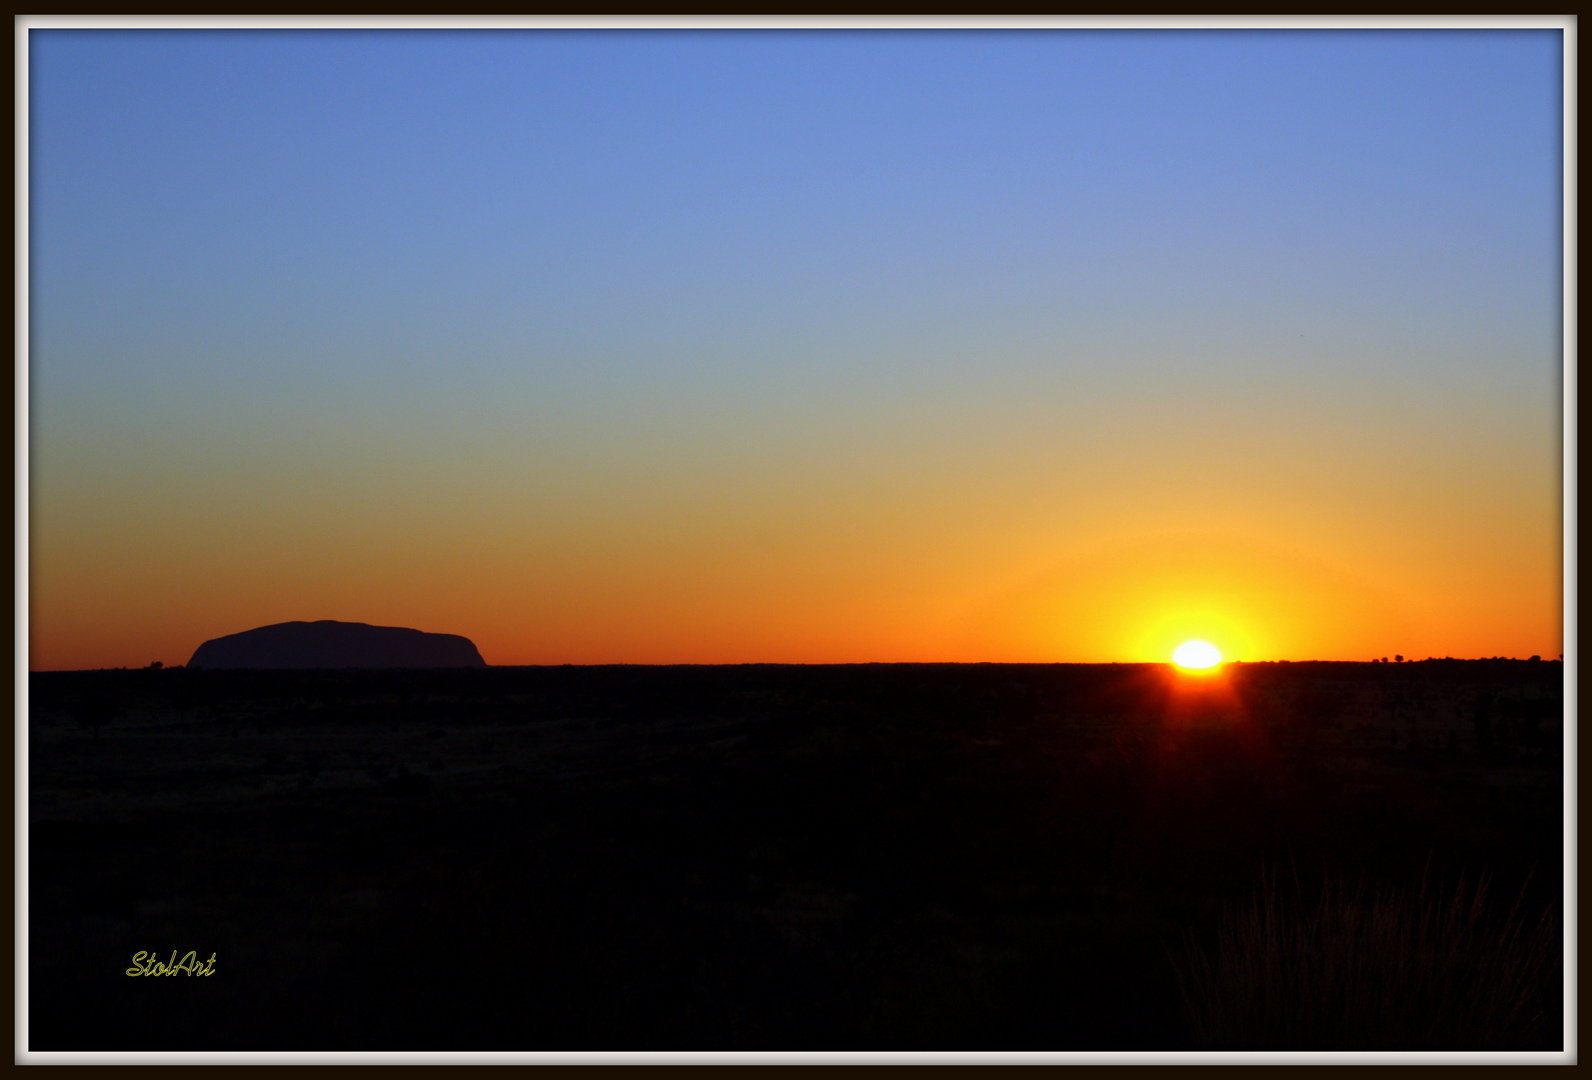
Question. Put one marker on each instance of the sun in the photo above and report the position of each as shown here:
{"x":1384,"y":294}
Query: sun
{"x":1196,"y":654}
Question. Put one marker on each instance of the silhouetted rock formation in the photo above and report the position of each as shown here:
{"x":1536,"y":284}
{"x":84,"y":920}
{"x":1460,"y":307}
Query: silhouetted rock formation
{"x":328,"y":644}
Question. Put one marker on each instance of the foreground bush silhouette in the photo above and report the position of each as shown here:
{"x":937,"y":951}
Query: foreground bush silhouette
{"x":1389,"y":970}
{"x":95,"y":711}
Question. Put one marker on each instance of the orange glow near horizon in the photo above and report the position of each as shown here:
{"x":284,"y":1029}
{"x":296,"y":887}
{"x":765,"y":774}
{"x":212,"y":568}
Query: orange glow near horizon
{"x":137,"y":581}
{"x":814,"y":604}
{"x":744,"y":559}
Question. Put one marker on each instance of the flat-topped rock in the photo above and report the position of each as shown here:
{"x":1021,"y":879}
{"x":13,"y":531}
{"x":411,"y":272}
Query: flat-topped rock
{"x":329,"y":644}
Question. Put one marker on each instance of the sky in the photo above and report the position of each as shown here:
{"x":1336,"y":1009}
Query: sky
{"x":797,"y":347}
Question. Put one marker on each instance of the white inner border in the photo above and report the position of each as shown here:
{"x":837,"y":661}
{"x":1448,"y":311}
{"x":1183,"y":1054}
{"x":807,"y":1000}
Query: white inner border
{"x":24,"y":23}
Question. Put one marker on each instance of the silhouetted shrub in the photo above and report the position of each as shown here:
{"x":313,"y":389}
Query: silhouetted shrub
{"x":96,"y":710}
{"x":1389,"y":970}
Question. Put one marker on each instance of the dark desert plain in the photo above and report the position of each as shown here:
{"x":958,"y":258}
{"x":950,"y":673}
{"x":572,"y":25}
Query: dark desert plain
{"x":798,"y":857}
{"x":670,"y":542}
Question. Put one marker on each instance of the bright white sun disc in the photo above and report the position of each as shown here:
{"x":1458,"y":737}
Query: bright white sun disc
{"x":1196,"y":654}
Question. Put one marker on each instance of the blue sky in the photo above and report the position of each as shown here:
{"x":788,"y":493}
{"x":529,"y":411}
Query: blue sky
{"x":597,"y":264}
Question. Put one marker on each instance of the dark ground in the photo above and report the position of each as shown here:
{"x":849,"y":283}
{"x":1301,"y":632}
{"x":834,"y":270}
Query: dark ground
{"x":895,"y":857}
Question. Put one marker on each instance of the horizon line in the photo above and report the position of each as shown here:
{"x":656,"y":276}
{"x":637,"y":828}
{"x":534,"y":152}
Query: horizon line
{"x":1378,"y":661}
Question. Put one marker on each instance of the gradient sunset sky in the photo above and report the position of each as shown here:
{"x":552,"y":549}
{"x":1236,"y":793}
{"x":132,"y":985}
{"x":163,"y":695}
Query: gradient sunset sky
{"x":805,"y":347}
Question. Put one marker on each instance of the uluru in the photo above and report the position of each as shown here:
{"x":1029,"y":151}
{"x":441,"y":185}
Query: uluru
{"x":329,"y":644}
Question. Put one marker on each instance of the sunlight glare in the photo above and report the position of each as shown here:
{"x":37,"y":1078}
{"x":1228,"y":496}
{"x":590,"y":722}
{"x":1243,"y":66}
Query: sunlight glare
{"x":1196,"y":654}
